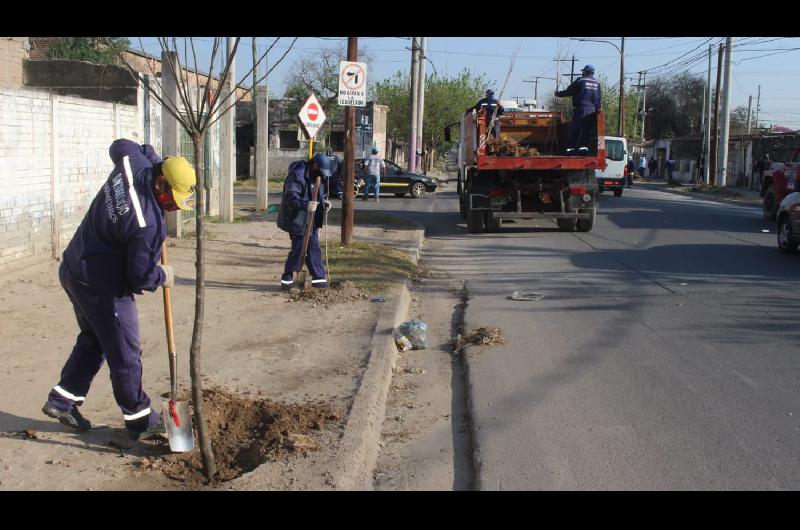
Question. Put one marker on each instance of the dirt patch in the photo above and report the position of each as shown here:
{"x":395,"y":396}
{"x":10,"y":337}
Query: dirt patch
{"x":338,"y":293}
{"x":246,"y":432}
{"x":483,"y":336}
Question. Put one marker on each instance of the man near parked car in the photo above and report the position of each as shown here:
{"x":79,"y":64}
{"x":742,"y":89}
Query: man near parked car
{"x":298,"y":208}
{"x":586,"y":103}
{"x":375,"y":167}
{"x":113,"y":255}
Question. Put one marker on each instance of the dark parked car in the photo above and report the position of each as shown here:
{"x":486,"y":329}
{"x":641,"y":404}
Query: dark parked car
{"x":397,"y":181}
{"x":789,"y":223}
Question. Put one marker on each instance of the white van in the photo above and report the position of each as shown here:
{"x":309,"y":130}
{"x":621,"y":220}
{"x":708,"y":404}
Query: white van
{"x":613,"y":176}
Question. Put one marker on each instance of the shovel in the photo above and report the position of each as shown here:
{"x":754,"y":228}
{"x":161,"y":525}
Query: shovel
{"x":177,"y":420}
{"x":301,"y":274}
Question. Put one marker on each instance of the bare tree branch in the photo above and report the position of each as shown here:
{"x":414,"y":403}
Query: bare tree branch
{"x":182,"y":89}
{"x":214,"y":50}
{"x":223,"y":79}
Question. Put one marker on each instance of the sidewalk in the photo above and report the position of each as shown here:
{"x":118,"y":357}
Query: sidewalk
{"x":308,"y":356}
{"x":732,"y":195}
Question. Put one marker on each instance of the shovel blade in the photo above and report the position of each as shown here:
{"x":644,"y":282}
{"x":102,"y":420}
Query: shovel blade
{"x":300,"y":282}
{"x":178,"y":422}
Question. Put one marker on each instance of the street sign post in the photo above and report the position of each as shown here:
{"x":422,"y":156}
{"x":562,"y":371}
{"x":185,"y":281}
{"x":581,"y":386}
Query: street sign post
{"x":352,"y":84}
{"x":312,"y":117}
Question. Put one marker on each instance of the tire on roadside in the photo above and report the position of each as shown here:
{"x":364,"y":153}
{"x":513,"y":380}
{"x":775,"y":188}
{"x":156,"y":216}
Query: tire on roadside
{"x":491,"y":221}
{"x":786,"y":240}
{"x":618,"y":192}
{"x":770,"y":204}
{"x":586,"y":225}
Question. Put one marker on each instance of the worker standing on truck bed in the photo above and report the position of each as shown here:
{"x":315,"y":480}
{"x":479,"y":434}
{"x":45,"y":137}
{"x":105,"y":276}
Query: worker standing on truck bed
{"x":491,"y":103}
{"x":585,"y":92}
{"x":113,"y":255}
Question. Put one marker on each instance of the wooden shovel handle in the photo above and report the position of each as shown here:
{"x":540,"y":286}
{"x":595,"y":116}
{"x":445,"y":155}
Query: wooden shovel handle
{"x":168,"y":325}
{"x":309,"y":225}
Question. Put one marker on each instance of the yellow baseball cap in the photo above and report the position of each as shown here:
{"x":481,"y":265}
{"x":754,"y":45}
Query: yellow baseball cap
{"x":181,"y":178}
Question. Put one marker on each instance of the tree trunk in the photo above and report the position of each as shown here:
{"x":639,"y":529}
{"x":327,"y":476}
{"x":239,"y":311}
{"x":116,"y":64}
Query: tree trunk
{"x":195,"y":370}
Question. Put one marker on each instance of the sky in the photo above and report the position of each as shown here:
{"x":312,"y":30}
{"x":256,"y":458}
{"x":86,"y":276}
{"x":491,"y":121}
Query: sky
{"x":771,"y":62}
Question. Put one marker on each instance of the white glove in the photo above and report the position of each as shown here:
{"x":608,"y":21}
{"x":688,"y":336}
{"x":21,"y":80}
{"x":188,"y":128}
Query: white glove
{"x":169,"y":275}
{"x":312,"y":206}
{"x":327,"y":205}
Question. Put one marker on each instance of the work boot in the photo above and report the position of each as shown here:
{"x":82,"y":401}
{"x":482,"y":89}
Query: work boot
{"x":152,"y":432}
{"x":287,"y":282}
{"x":320,"y":283}
{"x":71,"y":418}
{"x":583,"y":150}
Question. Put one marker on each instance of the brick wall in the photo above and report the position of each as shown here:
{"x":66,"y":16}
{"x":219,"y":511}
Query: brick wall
{"x":53,"y":160}
{"x":13,"y":50}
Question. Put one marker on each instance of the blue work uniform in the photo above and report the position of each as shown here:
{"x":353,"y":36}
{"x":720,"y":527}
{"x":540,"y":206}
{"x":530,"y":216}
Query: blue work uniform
{"x":491,"y":103}
{"x":109,"y":259}
{"x":298,"y":191}
{"x":585,"y":92}
{"x":336,"y":186}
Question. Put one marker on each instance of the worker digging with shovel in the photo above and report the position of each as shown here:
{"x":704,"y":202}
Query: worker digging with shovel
{"x":303,"y":189}
{"x":113,"y":255}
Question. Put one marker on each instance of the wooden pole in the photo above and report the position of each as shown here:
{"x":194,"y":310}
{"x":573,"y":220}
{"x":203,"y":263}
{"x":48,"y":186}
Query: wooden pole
{"x":348,"y":197}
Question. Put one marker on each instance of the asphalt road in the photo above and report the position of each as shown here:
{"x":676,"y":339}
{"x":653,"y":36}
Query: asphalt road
{"x":664,"y":354}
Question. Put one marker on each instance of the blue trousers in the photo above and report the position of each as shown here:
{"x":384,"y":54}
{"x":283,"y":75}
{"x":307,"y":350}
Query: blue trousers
{"x":373,"y":185}
{"x":582,"y":127}
{"x":313,"y":261}
{"x":109,"y":331}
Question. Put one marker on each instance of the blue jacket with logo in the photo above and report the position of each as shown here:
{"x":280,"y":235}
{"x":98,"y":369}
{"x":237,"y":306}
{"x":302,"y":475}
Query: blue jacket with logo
{"x":109,"y":251}
{"x":585,"y":92}
{"x":490,"y":103}
{"x":298,"y":190}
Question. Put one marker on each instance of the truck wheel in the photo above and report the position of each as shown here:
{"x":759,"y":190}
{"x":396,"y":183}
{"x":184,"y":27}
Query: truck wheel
{"x":492,"y":222}
{"x":417,"y":190}
{"x":770,"y":204}
{"x":474,"y":221}
{"x":618,"y":192}
{"x":566,"y":225}
{"x":786,"y":241}
{"x":585,"y":225}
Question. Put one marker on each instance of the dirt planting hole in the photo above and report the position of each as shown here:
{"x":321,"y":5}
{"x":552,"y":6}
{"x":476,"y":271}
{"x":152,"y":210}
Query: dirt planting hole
{"x":246,"y":432}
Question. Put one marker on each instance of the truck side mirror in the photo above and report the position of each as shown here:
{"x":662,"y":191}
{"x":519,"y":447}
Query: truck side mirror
{"x":447,"y":134}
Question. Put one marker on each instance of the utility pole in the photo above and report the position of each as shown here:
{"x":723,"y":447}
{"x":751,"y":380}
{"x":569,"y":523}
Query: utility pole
{"x":348,"y":197}
{"x":412,"y":136}
{"x":726,"y":115}
{"x":758,"y":105}
{"x":707,"y":123}
{"x":535,"y":82}
{"x":712,"y":156}
{"x":572,"y":71}
{"x":255,"y":114}
{"x":642,"y":87}
{"x":621,"y":126}
{"x":749,"y":108}
{"x":421,"y":103}
{"x":228,"y":138}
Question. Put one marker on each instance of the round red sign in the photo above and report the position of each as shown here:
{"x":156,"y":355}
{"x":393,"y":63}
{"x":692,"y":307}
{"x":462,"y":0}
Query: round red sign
{"x":313,"y":112}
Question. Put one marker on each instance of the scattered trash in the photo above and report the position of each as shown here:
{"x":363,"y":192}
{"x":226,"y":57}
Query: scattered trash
{"x":30,"y":434}
{"x":415,"y":331}
{"x":483,"y":336}
{"x":412,"y":370}
{"x":402,"y":343}
{"x":526,"y":296}
{"x":377,"y":299}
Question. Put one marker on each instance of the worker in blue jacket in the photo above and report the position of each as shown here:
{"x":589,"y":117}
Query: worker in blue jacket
{"x":296,"y":205}
{"x":110,"y":258}
{"x":490,"y":103}
{"x":586,"y":102}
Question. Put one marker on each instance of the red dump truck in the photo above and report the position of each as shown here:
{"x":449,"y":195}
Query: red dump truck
{"x":531,"y":179}
{"x":779,"y":180}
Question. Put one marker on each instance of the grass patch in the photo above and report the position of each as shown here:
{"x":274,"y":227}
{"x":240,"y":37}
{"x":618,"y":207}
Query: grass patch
{"x":237,"y":218}
{"x":371,"y":267}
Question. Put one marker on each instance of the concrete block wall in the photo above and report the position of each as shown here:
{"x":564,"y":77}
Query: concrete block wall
{"x":13,"y":50}
{"x":53,"y":160}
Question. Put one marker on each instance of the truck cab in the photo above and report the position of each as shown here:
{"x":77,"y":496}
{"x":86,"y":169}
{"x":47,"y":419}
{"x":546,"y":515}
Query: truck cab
{"x":779,"y":181}
{"x":613,"y":176}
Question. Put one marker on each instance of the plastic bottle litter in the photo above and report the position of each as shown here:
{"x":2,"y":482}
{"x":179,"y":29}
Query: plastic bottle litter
{"x":415,"y":330}
{"x":526,"y":296}
{"x":378,"y":299}
{"x":402,"y":343}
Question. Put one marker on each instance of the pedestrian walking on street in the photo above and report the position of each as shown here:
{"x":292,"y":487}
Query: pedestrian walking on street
{"x":297,"y":209}
{"x":336,"y":184}
{"x":761,"y":166}
{"x":631,"y":171}
{"x":642,"y":165}
{"x":652,"y":166}
{"x":375,"y":167}
{"x":586,"y":103}
{"x":111,"y":258}
{"x":671,"y":163}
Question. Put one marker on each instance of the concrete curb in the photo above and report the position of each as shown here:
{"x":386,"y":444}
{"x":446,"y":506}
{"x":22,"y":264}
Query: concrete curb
{"x":695,"y":195}
{"x":358,"y":449}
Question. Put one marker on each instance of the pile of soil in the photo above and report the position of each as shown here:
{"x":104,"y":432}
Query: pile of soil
{"x":505,"y":146}
{"x":483,"y":336}
{"x":339,"y":292}
{"x":245,"y":433}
